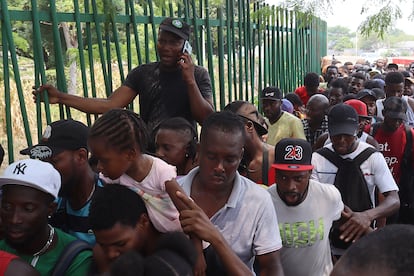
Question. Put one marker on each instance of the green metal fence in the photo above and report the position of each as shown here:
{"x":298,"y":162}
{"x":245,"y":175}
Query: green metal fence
{"x":89,"y":47}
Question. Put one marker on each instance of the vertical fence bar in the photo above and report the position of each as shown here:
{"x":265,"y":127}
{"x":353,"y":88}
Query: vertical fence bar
{"x":81,"y":54}
{"x":39,"y":69}
{"x":233,"y":52}
{"x":117,"y":47}
{"x":220,"y":59}
{"x":250,"y":67}
{"x":7,"y":98}
{"x":239,"y":48}
{"x":128,"y":36}
{"x":229,"y":42}
{"x":6,"y":24}
{"x":245,"y":44}
{"x":90,"y":52}
{"x":135,"y":28}
{"x":154,"y":30}
{"x":273,"y":56}
{"x":60,"y":65}
{"x":260,"y":48}
{"x":100,"y":46}
{"x":196,"y":34}
{"x":210,"y":50}
{"x":266,"y":50}
{"x":107,"y":35}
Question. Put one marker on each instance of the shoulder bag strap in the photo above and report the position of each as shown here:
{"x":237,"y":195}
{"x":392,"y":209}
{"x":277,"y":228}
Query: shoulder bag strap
{"x":67,"y":256}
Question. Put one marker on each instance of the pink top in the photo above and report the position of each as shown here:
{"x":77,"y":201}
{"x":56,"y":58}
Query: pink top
{"x":161,"y":210}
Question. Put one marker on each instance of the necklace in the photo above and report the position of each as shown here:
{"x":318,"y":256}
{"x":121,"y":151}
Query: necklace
{"x":48,"y":242}
{"x":45,"y":247}
{"x":91,"y":194}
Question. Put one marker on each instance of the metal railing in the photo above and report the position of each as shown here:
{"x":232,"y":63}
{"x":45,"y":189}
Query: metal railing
{"x":244,"y":46}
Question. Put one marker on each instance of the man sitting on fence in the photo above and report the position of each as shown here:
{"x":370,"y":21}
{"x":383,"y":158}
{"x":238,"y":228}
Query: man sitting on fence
{"x":172,"y":87}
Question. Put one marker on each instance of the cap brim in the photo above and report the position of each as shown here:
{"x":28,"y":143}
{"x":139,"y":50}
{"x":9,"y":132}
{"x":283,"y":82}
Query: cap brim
{"x":42,"y":151}
{"x":292,"y":167}
{"x":11,"y":181}
{"x":174,"y":31}
{"x":343,"y":129}
{"x":269,"y":98}
{"x":26,"y":151}
{"x":396,"y":115}
{"x":261,"y":130}
{"x":365,"y":117}
{"x":409,"y":80}
{"x":366,"y":95}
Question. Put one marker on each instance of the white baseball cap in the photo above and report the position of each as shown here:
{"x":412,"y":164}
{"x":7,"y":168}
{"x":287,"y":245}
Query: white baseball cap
{"x":32,"y":173}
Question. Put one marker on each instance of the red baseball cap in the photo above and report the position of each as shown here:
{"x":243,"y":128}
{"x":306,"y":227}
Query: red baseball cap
{"x":360,"y":107}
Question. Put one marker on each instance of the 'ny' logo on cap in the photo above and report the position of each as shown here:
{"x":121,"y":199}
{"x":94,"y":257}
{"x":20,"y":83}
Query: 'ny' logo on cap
{"x":293,"y":153}
{"x":19,"y":169}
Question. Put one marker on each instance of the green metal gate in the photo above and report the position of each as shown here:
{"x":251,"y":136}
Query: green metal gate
{"x":91,"y":45}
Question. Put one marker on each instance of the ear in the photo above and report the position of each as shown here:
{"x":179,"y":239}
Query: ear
{"x":144,"y":221}
{"x":249,"y":126}
{"x":131,"y":153}
{"x":81,"y":155}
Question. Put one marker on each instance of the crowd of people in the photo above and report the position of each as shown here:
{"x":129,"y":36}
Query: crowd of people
{"x":311,"y":187}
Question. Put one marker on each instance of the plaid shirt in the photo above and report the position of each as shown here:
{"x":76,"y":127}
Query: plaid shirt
{"x":311,"y":137}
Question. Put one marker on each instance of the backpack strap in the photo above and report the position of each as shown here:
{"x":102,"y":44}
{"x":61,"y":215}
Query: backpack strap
{"x":331,"y":156}
{"x":406,"y":161}
{"x":69,"y":253}
{"x":337,"y":161}
{"x":373,"y":129}
{"x":364,"y":155}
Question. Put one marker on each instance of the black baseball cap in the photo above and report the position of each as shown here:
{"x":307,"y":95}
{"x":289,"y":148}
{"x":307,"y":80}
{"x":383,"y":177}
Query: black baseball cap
{"x":395,"y":108}
{"x":366,"y":92}
{"x":342,"y":119}
{"x":59,"y":136}
{"x":271,"y":93}
{"x":176,"y":26}
{"x":293,"y":154}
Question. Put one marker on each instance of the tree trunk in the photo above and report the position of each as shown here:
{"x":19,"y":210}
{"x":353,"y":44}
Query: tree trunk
{"x":71,"y":43}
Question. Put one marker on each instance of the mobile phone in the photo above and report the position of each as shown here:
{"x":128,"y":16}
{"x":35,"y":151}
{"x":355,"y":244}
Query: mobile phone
{"x":187,"y":48}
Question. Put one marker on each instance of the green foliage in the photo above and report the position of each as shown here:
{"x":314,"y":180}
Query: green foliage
{"x":340,"y":38}
{"x":380,"y":14}
{"x":381,"y":21}
{"x":389,"y":40}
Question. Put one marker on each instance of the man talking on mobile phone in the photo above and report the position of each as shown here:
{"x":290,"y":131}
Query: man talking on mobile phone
{"x":170,"y":87}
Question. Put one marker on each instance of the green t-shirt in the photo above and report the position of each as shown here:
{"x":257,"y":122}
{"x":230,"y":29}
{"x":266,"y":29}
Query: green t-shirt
{"x":79,"y":267}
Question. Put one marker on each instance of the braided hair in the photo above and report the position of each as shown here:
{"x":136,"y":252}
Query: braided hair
{"x":122,"y":129}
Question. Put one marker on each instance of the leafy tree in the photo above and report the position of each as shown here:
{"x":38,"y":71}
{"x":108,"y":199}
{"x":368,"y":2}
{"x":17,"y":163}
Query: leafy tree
{"x":380,"y":14}
{"x":390,"y":40}
{"x":340,"y":38}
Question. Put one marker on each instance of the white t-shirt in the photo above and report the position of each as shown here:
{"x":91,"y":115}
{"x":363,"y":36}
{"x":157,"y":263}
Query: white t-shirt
{"x":161,"y":210}
{"x":304,"y":229}
{"x":375,"y":170}
{"x":247,"y":221}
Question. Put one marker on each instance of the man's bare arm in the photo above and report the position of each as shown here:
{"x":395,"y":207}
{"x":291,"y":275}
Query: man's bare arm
{"x":120,"y":98}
